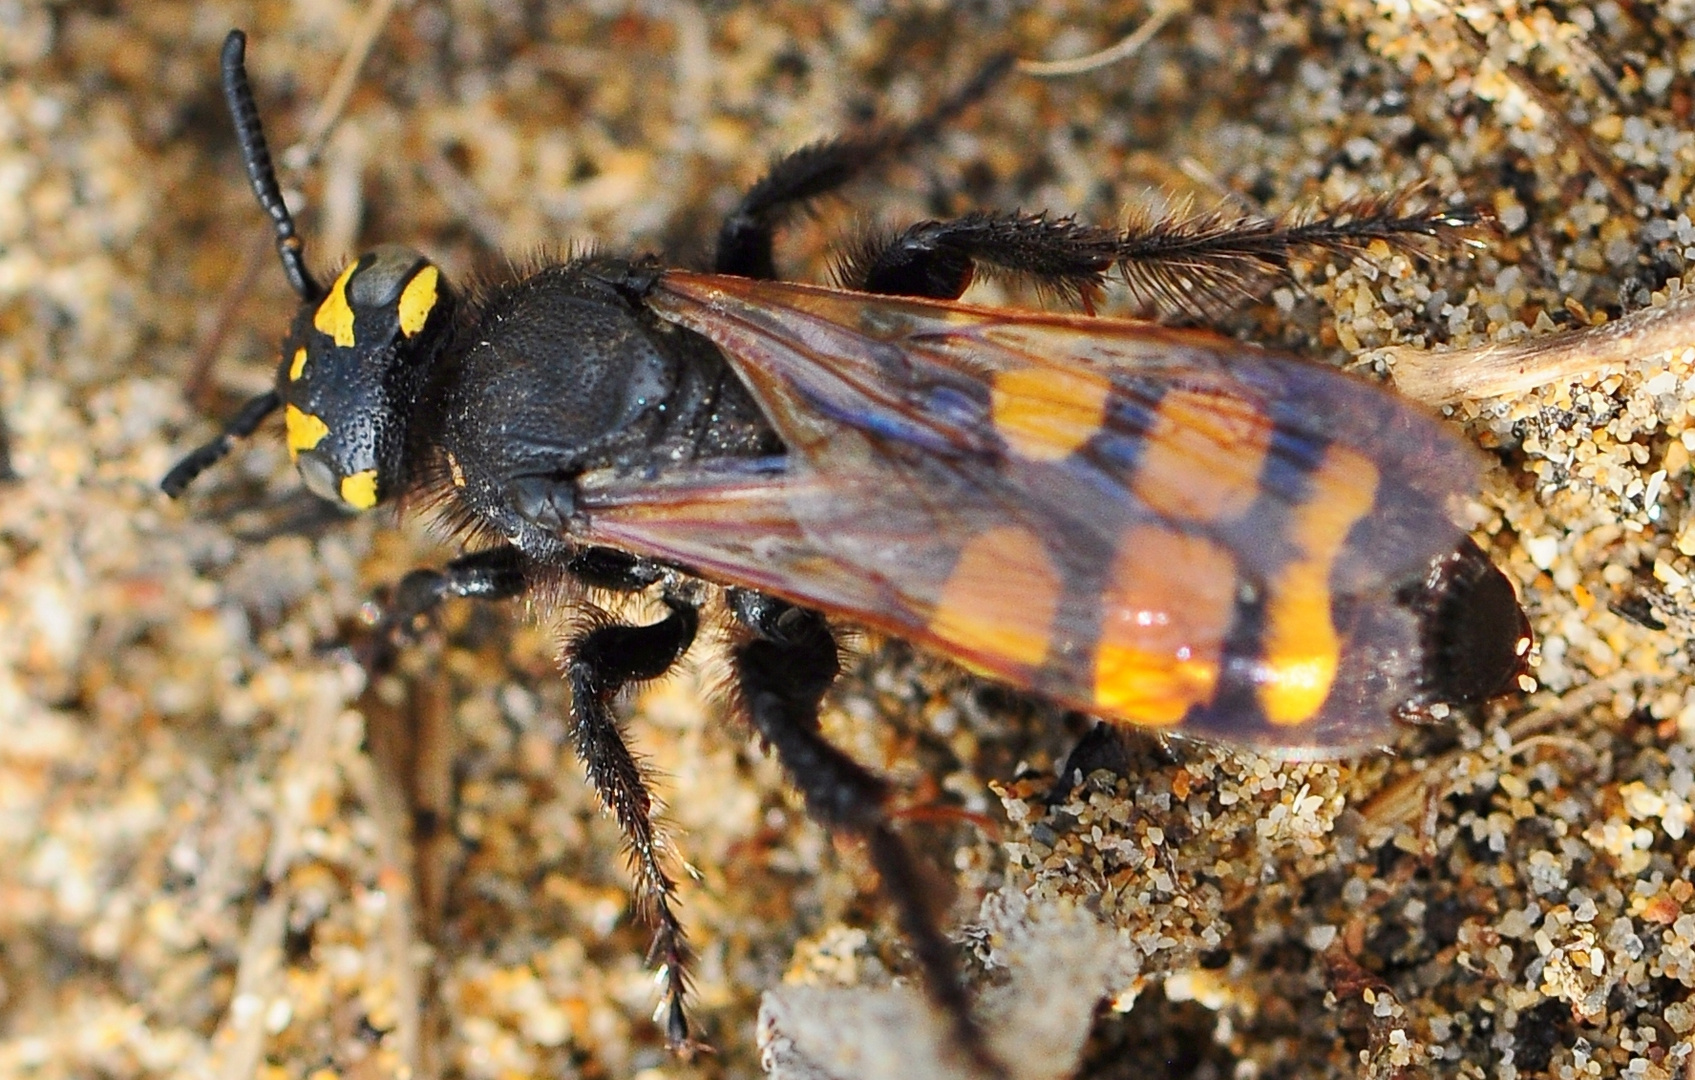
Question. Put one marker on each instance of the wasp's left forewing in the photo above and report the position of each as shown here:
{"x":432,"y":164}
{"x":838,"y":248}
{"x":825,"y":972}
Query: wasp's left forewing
{"x":1155,"y":525}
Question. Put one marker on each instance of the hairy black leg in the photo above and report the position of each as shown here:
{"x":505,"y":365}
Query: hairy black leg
{"x":938,"y":259}
{"x":1181,"y":263}
{"x":796,"y":178}
{"x":781,"y":675}
{"x":609,"y":568}
{"x":600,"y":663}
{"x":498,"y":573}
{"x":495,"y":573}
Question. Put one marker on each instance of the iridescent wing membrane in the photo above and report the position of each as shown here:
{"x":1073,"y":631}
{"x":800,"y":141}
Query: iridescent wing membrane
{"x":1158,"y":526}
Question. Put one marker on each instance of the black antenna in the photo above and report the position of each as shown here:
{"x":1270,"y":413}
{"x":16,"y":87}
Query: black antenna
{"x":238,"y":94}
{"x":202,"y":458}
{"x":257,"y":157}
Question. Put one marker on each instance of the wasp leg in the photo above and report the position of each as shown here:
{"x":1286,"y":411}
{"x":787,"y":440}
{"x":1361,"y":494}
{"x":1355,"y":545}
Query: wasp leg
{"x":800,"y":176}
{"x":936,"y":260}
{"x":1179,"y":263}
{"x":600,"y":663}
{"x":496,"y":573}
{"x":499,"y":573}
{"x":781,"y":676}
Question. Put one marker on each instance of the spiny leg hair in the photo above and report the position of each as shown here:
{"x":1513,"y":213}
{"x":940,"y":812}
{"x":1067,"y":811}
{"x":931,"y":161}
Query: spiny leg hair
{"x":599,"y":663}
{"x":1183,"y":263}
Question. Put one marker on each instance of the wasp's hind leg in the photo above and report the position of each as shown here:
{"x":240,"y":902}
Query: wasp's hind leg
{"x":1189,"y":264}
{"x":936,"y":260}
{"x":781,"y":675}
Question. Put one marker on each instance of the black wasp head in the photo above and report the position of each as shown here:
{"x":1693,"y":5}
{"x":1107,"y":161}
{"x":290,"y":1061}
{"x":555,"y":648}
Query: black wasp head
{"x":355,"y":358}
{"x":351,"y":369}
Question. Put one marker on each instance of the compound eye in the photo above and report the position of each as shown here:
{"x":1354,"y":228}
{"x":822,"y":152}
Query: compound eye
{"x":388,"y":289}
{"x":393,"y":277}
{"x":382,"y":274}
{"x":318,"y":477}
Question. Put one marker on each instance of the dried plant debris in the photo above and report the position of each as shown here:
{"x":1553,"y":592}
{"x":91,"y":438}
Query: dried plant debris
{"x":1046,"y":968}
{"x":1655,"y":342}
{"x":225,"y":852}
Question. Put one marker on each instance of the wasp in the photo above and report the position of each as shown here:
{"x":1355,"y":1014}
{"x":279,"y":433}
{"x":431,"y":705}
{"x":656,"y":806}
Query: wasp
{"x":1160,"y":527}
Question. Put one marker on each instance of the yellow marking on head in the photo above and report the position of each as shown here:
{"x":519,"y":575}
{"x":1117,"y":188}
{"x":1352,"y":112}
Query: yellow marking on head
{"x":999,"y":603}
{"x":455,"y":470}
{"x":298,"y":366}
{"x":305,"y":431}
{"x":333,"y":316}
{"x":1301,"y":646}
{"x":417,"y":300}
{"x":1046,"y":413}
{"x":360,"y":490}
{"x":1202,"y":457}
{"x":1164,"y":615}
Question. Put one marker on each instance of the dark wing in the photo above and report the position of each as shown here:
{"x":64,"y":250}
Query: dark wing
{"x":1159,"y":526}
